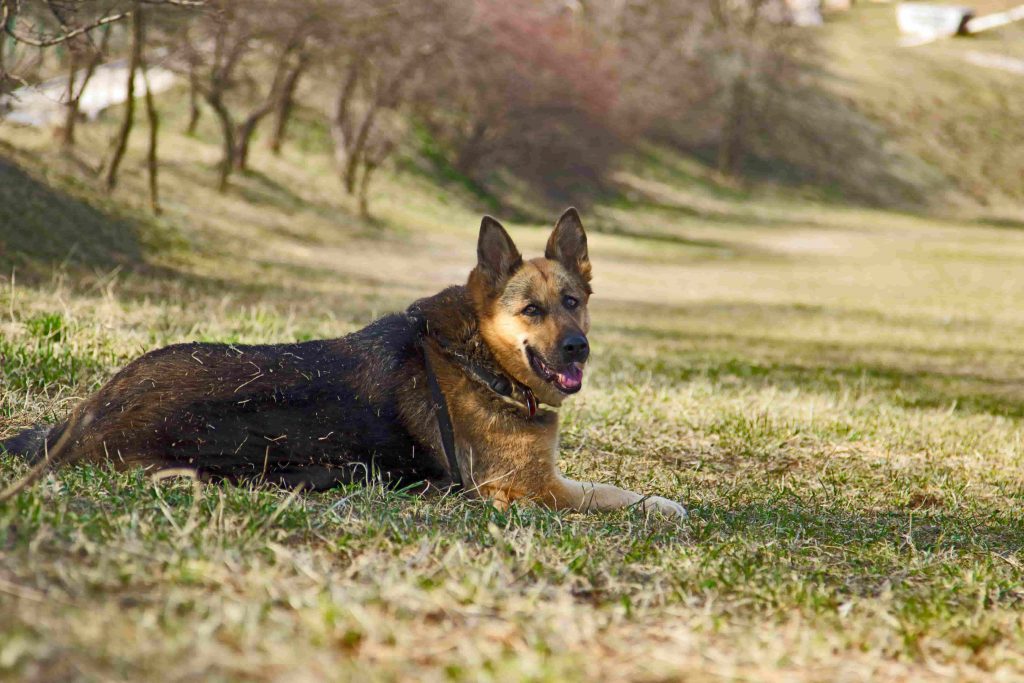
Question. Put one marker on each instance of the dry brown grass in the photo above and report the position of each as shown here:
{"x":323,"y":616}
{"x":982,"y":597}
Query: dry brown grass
{"x":835,"y":393}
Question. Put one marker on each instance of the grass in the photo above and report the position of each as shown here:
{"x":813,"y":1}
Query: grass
{"x":834,"y":392}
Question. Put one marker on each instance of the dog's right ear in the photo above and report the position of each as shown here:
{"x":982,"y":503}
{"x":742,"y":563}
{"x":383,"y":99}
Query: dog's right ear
{"x":496,"y":253}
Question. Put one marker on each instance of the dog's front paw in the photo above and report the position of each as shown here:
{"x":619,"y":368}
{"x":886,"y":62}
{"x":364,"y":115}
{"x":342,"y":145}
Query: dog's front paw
{"x":664,"y":506}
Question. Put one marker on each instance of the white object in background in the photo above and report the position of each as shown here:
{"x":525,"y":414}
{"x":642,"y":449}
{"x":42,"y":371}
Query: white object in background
{"x":995,"y":20}
{"x":805,"y":12}
{"x":43,"y":104}
{"x":923,"y":20}
{"x":972,"y":25}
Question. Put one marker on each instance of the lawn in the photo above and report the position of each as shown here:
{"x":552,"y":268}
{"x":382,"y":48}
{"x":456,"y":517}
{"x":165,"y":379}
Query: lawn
{"x":834,"y":392}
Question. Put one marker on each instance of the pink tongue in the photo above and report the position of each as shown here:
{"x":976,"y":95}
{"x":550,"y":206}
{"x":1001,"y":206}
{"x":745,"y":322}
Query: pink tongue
{"x":572,"y":377}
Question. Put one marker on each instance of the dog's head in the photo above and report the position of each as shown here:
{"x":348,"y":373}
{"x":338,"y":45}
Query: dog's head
{"x":533,"y":314}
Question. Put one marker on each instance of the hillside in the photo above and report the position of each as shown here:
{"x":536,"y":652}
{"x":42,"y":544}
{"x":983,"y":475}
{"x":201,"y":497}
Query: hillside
{"x":923,"y":130}
{"x":948,"y":130}
{"x":832,"y":388}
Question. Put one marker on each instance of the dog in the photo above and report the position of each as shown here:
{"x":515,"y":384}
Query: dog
{"x":461,"y":390}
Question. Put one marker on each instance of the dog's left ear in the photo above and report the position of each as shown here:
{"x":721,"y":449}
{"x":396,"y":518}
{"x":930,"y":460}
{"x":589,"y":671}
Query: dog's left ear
{"x":568,"y":244}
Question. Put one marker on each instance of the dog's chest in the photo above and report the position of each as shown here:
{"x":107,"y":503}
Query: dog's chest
{"x":499,"y":438}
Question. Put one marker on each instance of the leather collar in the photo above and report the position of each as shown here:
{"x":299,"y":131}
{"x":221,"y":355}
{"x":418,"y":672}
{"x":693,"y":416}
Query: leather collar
{"x":483,"y":371}
{"x":495,"y":380}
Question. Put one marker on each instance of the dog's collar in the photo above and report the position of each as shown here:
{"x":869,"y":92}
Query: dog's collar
{"x":508,"y":389}
{"x":504,"y":386}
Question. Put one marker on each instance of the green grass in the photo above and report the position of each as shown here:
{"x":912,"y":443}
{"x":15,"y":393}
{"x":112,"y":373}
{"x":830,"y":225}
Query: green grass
{"x":835,"y":393}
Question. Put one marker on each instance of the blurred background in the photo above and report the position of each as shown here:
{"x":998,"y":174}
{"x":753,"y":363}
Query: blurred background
{"x":533,"y":104}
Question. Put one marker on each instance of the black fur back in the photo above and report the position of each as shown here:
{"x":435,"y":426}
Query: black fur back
{"x":317,"y":413}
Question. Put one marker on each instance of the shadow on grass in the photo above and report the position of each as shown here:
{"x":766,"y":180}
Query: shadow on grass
{"x":923,"y":377}
{"x":605,"y":228}
{"x":42,"y":224}
{"x":1004,"y":223}
{"x":46,"y":230}
{"x":258,"y":188}
{"x":926,"y":559}
{"x":635,"y":199}
{"x":969,"y":393}
{"x":925,"y":525}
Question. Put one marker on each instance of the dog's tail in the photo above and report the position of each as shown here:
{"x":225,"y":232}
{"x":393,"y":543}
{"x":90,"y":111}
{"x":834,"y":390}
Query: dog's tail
{"x":44,"y":447}
{"x":29,"y":444}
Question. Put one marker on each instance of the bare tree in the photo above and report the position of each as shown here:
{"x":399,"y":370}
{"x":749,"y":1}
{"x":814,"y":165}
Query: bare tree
{"x":745,"y":38}
{"x":380,"y":55}
{"x":286,"y":101}
{"x":660,"y":58}
{"x":76,"y":87}
{"x":23,"y":29}
{"x":290,"y":63}
{"x":44,"y":24}
{"x":707,"y":72}
{"x":382,"y":142}
{"x":152,"y":161}
{"x":15,"y":64}
{"x":48,"y":23}
{"x":194,"y":96}
{"x":120,"y":144}
{"x":230,"y":47}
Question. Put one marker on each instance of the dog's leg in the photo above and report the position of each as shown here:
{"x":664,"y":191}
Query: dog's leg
{"x":588,"y":496}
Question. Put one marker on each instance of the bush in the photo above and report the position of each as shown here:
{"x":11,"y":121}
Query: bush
{"x":526,"y":92}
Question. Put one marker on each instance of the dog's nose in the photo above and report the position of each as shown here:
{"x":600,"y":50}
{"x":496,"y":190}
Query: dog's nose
{"x":575,"y":348}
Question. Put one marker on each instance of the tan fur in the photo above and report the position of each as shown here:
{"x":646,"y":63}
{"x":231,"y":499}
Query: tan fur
{"x":505,"y":459}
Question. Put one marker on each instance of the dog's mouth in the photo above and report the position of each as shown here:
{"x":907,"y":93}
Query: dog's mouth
{"x":569,"y":380}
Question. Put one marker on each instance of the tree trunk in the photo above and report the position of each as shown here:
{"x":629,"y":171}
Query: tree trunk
{"x":248,"y":127}
{"x":364,"y":186}
{"x":240,"y":158}
{"x":357,"y":147}
{"x":129,"y":114}
{"x":151,"y":156}
{"x":245,"y":133}
{"x":193,"y":101}
{"x":227,"y":127}
{"x":386,"y":97}
{"x":341,"y":125}
{"x":733,"y":142}
{"x":66,"y":133}
{"x":6,"y":10}
{"x":285,"y":105}
{"x":75,"y":97}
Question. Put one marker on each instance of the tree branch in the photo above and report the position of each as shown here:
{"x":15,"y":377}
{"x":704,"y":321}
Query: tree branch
{"x":57,"y":40}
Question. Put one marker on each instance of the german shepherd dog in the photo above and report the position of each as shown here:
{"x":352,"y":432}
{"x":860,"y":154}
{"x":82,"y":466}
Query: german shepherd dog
{"x":463,"y":386}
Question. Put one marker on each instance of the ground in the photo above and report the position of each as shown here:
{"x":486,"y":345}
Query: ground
{"x":834,"y":392}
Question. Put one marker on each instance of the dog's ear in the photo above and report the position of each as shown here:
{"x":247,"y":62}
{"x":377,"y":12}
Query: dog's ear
{"x":496,"y":253}
{"x":568,"y":244}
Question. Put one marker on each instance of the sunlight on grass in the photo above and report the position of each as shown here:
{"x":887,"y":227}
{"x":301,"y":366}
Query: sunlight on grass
{"x":835,"y":393}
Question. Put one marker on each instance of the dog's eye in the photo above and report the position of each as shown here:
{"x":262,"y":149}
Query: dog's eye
{"x":570,"y":302}
{"x":532,"y":310}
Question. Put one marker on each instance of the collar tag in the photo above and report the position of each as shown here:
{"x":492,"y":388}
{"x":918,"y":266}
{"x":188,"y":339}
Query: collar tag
{"x":531,"y":401}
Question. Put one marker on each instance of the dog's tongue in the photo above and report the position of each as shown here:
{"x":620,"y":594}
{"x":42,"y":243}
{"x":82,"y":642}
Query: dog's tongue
{"x":571,"y":378}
